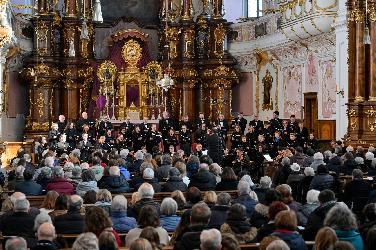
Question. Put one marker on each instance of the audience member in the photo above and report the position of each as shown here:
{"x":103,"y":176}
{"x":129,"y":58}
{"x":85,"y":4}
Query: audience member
{"x":163,"y":171}
{"x":46,"y":238}
{"x":203,"y":179}
{"x":104,"y":199}
{"x":58,"y":183}
{"x":121,"y":222}
{"x":60,"y":207}
{"x":322,"y":180}
{"x":28,"y":186}
{"x":357,"y":191}
{"x":88,"y":183}
{"x":229,"y":180}
{"x":140,"y":244}
{"x":261,"y":214}
{"x":49,"y":201}
{"x":107,"y":241}
{"x":325,"y":239}
{"x":265,"y":184}
{"x":150,"y":234}
{"x":86,"y":241}
{"x":309,"y":207}
{"x":40,"y":219}
{"x":210,"y":240}
{"x":179,"y":197}
{"x":169,"y":219}
{"x":229,"y":242}
{"x":174,"y":182}
{"x":145,"y":193}
{"x":245,"y":199}
{"x":16,"y":243}
{"x":148,"y":177}
{"x":72,"y":222}
{"x":115,"y":182}
{"x":219,"y":211}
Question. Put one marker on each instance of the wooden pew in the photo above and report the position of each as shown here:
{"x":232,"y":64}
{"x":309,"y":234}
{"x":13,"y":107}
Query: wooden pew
{"x":36,"y":201}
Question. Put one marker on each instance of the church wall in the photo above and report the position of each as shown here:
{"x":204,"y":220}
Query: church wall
{"x":243,"y":92}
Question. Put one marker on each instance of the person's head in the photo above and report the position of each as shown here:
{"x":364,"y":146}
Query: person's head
{"x":169,"y":207}
{"x":16,"y":243}
{"x":75,"y":202}
{"x":325,"y":238}
{"x":265,"y":182}
{"x":285,"y":161}
{"x":229,"y":174}
{"x":49,"y":162}
{"x":210,"y":240}
{"x":119,"y":204}
{"x":96,"y":220}
{"x":148,"y":217}
{"x":215,"y":169}
{"x":340,"y":217}
{"x":229,"y":242}
{"x":343,"y":245}
{"x":275,"y":208}
{"x":286,"y":220}
{"x":285,"y":191}
{"x":21,"y":205}
{"x":141,"y":244}
{"x":145,"y":191}
{"x":369,"y":212}
{"x":166,"y":159}
{"x":223,"y":199}
{"x":61,"y":202}
{"x":237,"y":212}
{"x":267,"y":240}
{"x":86,"y":241}
{"x":88,"y":175}
{"x":200,"y":214}
{"x":243,"y":188}
{"x":179,"y":197}
{"x":271,"y":195}
{"x":17,"y":196}
{"x":193,"y":195}
{"x":50,"y":199}
{"x":313,"y":196}
{"x":295,"y":167}
{"x":210,"y":197}
{"x":278,"y":245}
{"x":139,"y":155}
{"x":46,"y":231}
{"x":357,"y":174}
{"x":6,"y":206}
{"x":370,"y":242}
{"x":114,"y":171}
{"x":107,"y":240}
{"x":57,"y":172}
{"x":104,"y":195}
{"x":326,"y":195}
{"x":28,"y":174}
{"x":150,"y":234}
{"x":41,"y":218}
{"x":90,"y":197}
{"x":318,"y":156}
{"x":308,"y":171}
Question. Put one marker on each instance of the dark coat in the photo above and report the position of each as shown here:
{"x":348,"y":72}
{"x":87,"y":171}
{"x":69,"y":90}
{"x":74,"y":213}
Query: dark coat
{"x":70,"y":223}
{"x":321,"y":182}
{"x":218,"y":216}
{"x":293,"y":239}
{"x":203,"y":180}
{"x":260,"y":216}
{"x":281,"y":175}
{"x":303,"y":188}
{"x":29,"y":187}
{"x":191,"y":239}
{"x":61,"y":185}
{"x":356,"y":194}
{"x":225,"y":185}
{"x":154,"y":182}
{"x":316,"y":220}
{"x":162,"y":172}
{"x":115,"y":184}
{"x":265,"y":230}
{"x":248,"y":202}
{"x":46,"y":245}
{"x":174,"y":183}
{"x":215,"y":148}
{"x":19,"y":224}
{"x":261,"y":194}
{"x":134,"y":210}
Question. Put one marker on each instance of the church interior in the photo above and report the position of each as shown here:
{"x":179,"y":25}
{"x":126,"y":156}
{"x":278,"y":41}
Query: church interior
{"x":107,"y":58}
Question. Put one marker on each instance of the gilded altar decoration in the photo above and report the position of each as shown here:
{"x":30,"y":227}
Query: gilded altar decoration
{"x":131,"y":53}
{"x":353,"y":118}
{"x":371,"y":119}
{"x":187,"y":10}
{"x":267,"y":81}
{"x":219,"y":37}
{"x":107,"y":74}
{"x":173,"y":38}
{"x":40,"y":104}
{"x":41,"y":31}
{"x":189,"y":36}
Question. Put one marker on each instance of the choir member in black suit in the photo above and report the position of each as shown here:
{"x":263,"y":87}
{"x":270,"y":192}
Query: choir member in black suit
{"x":222,"y":125}
{"x":170,"y":140}
{"x":200,"y":135}
{"x":201,"y":120}
{"x":90,"y":133}
{"x":293,"y":126}
{"x":185,"y":140}
{"x":138,"y":139}
{"x":187,"y":123}
{"x":153,"y":138}
{"x":276,"y":123}
{"x":257,"y":124}
{"x":63,"y":145}
{"x":72,"y":135}
{"x":127,"y":125}
{"x":312,"y":142}
{"x":145,"y":126}
{"x":293,"y":142}
{"x":120,"y":142}
{"x":84,"y":120}
{"x":102,"y":144}
{"x":236,"y":138}
{"x":285,"y":133}
{"x":241,"y":121}
{"x":251,"y":136}
{"x":85,"y":147}
{"x":103,"y":126}
{"x":110,"y":140}
{"x":276,"y":143}
{"x":53,"y":135}
{"x":166,"y":123}
{"x":302,"y":133}
{"x":62,"y":123}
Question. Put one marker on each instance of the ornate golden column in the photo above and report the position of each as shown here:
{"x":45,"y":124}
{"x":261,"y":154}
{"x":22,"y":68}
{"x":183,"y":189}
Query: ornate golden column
{"x":360,"y":76}
{"x":372,"y":64}
{"x":187,"y":8}
{"x":351,"y":25}
{"x":217,"y":9}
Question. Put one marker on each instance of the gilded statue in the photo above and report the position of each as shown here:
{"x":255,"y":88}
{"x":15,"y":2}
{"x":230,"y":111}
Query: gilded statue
{"x":219,"y":36}
{"x":267,"y":82}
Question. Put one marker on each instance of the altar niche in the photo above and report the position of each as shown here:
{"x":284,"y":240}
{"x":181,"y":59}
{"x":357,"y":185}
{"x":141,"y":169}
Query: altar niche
{"x":135,"y":93}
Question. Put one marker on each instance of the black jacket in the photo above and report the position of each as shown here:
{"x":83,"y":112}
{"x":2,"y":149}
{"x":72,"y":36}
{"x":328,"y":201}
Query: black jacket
{"x":214,"y":145}
{"x":356,"y":194}
{"x":162,"y":172}
{"x":203,"y":180}
{"x":29,"y":187}
{"x":19,"y":224}
{"x":191,"y":239}
{"x":134,"y":210}
{"x":70,"y":223}
{"x":154,"y":182}
{"x":225,"y":185}
{"x":46,"y":245}
{"x":218,"y":216}
{"x":174,"y":183}
{"x":316,"y":220}
{"x":115,"y":184}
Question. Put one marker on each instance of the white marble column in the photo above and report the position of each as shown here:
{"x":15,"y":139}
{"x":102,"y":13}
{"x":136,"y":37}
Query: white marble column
{"x":341,"y":70}
{"x":244,"y":8}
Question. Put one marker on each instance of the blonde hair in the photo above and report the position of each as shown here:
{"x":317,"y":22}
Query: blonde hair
{"x":135,"y":198}
{"x":104,"y":195}
{"x":210,"y":197}
{"x":325,"y":238}
{"x":49,"y":200}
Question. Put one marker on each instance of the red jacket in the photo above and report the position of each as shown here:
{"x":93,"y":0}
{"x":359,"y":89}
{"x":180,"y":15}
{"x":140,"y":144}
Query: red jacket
{"x":61,"y":185}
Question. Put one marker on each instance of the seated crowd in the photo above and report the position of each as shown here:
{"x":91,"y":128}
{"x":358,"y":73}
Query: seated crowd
{"x":304,"y":202}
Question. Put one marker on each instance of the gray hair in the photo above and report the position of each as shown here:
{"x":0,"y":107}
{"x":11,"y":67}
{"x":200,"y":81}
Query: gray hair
{"x":327,"y":154}
{"x":17,"y":196}
{"x":145,"y":191}
{"x":223,"y":199}
{"x":86,"y":241}
{"x":124,"y":153}
{"x":166,"y":159}
{"x":68,"y":166}
{"x":278,"y":245}
{"x":369,"y":156}
{"x":371,"y":149}
{"x":357,"y":173}
{"x":119,"y":203}
{"x":247,"y":179}
{"x":145,"y":165}
{"x":148,"y":157}
{"x":57,"y":172}
{"x":76,"y":153}
{"x":340,"y":217}
{"x":244,"y":188}
{"x":308,"y":171}
{"x":114,"y":171}
{"x":16,"y":243}
{"x":27,"y":157}
{"x":49,"y":162}
{"x":169,"y":206}
{"x":349,"y":149}
{"x":210,"y":239}
{"x":313,"y":196}
{"x":285,"y":161}
{"x":21,"y":205}
{"x":20,"y":170}
{"x":75,"y":201}
{"x":204,"y":166}
{"x":318,"y":156}
{"x":215,"y":168}
{"x":76,"y":171}
{"x":359,"y":160}
{"x":40,"y":219}
{"x":265,"y":182}
{"x":139,"y":155}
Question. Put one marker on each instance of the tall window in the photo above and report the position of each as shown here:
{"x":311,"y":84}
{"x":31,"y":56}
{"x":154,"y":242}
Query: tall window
{"x":254,"y":8}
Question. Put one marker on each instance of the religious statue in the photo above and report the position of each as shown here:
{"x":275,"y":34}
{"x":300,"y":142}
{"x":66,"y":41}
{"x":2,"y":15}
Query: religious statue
{"x":84,"y":31}
{"x":267,"y":82}
{"x":72,"y":52}
{"x":97,"y":16}
{"x":219,"y":36}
